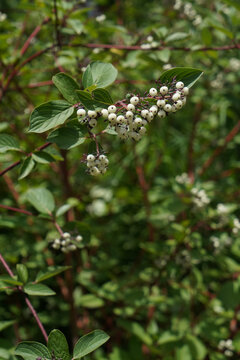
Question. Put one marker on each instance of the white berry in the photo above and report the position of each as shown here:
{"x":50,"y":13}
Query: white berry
{"x":112,"y":109}
{"x":164,"y":90}
{"x":150,"y":116}
{"x":161,"y":103}
{"x":66,"y":235}
{"x":142,"y":130}
{"x":112,"y":117}
{"x":161,"y":114}
{"x":176,"y":96}
{"x":131,"y":107}
{"x":144,"y":113}
{"x":78,"y":238}
{"x":129,"y":114}
{"x":104,"y":113}
{"x":90,"y":157}
{"x":92,"y":113}
{"x":179,"y":85}
{"x":153,"y":109}
{"x":120,"y":119}
{"x":81,"y":112}
{"x":93,"y":123}
{"x":134,"y":100}
{"x":185,"y":90}
{"x":153,"y":92}
{"x":138,"y":121}
{"x":168,"y":107}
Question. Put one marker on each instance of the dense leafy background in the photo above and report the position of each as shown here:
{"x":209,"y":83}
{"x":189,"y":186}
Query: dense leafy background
{"x":160,"y":274}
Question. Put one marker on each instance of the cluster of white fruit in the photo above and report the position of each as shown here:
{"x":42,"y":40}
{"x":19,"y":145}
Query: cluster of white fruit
{"x":200,"y":198}
{"x":97,"y":164}
{"x":227,"y":347}
{"x":66,"y":242}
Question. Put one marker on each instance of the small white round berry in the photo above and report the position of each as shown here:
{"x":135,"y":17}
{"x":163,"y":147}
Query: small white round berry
{"x":131,"y":107}
{"x":64,"y":250}
{"x":104,"y":113}
{"x":144,"y":113}
{"x":185,"y":90}
{"x":72,"y":247}
{"x":129,"y":114}
{"x":120,"y":119}
{"x":94,"y":171}
{"x":153,"y":92}
{"x":90,"y":164}
{"x":161,"y":103}
{"x":142,"y":130}
{"x":138,"y":121}
{"x":179,"y":104}
{"x":176,"y":96}
{"x":66,"y":235}
{"x":63,"y":243}
{"x":57,"y":241}
{"x":56,"y":246}
{"x":174,"y":109}
{"x":134,"y":100}
{"x":161,"y":114}
{"x":93,"y":123}
{"x":81,"y":112}
{"x":136,"y":136}
{"x":153,"y":109}
{"x":106,"y":161}
{"x":90,"y":157}
{"x":184,"y":100}
{"x":164,"y":90}
{"x":150,"y":116}
{"x":144,"y":122}
{"x":112,"y":118}
{"x":102,"y":157}
{"x":78,"y":238}
{"x":112,"y":109}
{"x":168,"y":107}
{"x":92,"y":114}
{"x":179,"y":85}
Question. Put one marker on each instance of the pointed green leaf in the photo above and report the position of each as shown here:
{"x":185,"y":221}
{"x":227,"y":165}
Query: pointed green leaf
{"x":38,"y":290}
{"x":49,"y":115}
{"x":100,"y":74}
{"x":63,"y":209}
{"x":102,"y":96}
{"x":22,"y":272}
{"x":8,"y":142}
{"x":27,"y":166}
{"x":88,"y":343}
{"x":67,"y":137}
{"x":187,"y":75}
{"x":42,"y":157}
{"x":52,"y":271}
{"x":5,"y":324}
{"x":31,"y":350}
{"x":67,"y":86}
{"x":10,"y":280}
{"x":41,"y":199}
{"x":58,"y":346}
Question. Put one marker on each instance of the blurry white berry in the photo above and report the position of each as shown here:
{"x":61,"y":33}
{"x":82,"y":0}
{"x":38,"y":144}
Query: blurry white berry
{"x":179,"y":85}
{"x":129,"y":114}
{"x":144,"y":122}
{"x":57,"y":241}
{"x":150,"y":116}
{"x":138,"y":121}
{"x":92,"y":114}
{"x":102,"y":157}
{"x":154,"y":109}
{"x":90,"y":157}
{"x":142,"y":130}
{"x":161,"y":103}
{"x":64,"y":250}
{"x":134,"y":100}
{"x":66,"y":235}
{"x":90,"y":164}
{"x":112,"y":117}
{"x":131,"y":107}
{"x":144,"y":113}
{"x":162,"y":114}
{"x":72,"y":247}
{"x":164,"y":90}
{"x":81,"y":112}
{"x":93,"y":123}
{"x":174,"y":109}
{"x":176,"y":96}
{"x":78,"y":238}
{"x":153,"y":92}
{"x":63,"y":243}
{"x":56,"y":246}
{"x":120,"y":119}
{"x":94,"y":171}
{"x":137,"y":136}
{"x":168,"y":107}
{"x":185,"y":90}
{"x":112,"y":109}
{"x":104,"y":113}
{"x":179,"y":104}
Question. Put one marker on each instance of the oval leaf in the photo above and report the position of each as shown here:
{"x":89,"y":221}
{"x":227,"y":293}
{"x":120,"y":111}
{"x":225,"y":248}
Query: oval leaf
{"x":27,"y":166}
{"x":53,"y":271}
{"x":88,"y":343}
{"x":41,"y":199}
{"x":99,"y":74}
{"x":38,"y":290}
{"x":31,"y":350}
{"x":8,"y":142}
{"x":58,"y":346}
{"x":67,"y":137}
{"x":187,"y":75}
{"x":67,"y":86}
{"x":49,"y":115}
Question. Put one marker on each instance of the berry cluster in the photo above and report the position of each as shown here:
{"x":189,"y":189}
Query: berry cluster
{"x":66,"y":242}
{"x":97,"y":164}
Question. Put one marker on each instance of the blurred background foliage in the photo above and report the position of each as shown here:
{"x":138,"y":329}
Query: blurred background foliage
{"x":161,"y":272}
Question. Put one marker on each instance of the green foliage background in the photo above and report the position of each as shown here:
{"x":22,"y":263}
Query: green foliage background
{"x":160,"y":275}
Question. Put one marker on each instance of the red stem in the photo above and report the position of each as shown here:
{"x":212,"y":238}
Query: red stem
{"x":17,"y":210}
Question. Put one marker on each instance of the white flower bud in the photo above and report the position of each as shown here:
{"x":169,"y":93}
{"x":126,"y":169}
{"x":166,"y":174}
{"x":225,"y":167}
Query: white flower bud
{"x":112,"y":109}
{"x":153,"y":92}
{"x":179,"y":85}
{"x":104,"y":113}
{"x":81,"y":112}
{"x":134,"y":100}
{"x":164,"y":90}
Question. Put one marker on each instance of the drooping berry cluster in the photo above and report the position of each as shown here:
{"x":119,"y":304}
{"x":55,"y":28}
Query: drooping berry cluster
{"x":66,"y":242}
{"x":129,"y":120}
{"x":97,"y":164}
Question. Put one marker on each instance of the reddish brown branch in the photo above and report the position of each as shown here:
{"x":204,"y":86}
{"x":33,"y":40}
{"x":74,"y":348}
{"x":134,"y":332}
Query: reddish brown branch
{"x":16,"y":210}
{"x":33,"y":34}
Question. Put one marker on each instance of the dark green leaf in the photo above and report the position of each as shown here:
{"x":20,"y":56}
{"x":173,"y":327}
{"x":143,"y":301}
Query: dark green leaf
{"x":52,"y":271}
{"x":88,"y":343}
{"x":31,"y":350}
{"x":6,"y":324}
{"x":22,"y":272}
{"x":100,"y":74}
{"x":67,"y":137}
{"x":67,"y":87}
{"x":102,"y":96}
{"x":27,"y":166}
{"x":58,"y":346}
{"x":49,"y":115}
{"x":10,"y":280}
{"x":38,"y":290}
{"x":42,"y":157}
{"x":8,"y":142}
{"x":187,"y":75}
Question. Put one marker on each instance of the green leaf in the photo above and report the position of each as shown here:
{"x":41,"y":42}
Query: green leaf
{"x":27,"y":166}
{"x":100,"y":74}
{"x":197,"y":348}
{"x":58,"y":346}
{"x":49,"y":115}
{"x":38,"y":290}
{"x":90,"y":301}
{"x":86,"y":99}
{"x":22,"y":272}
{"x":42,"y":157}
{"x":41,"y":199}
{"x":31,"y":350}
{"x":177,"y":36}
{"x":102,"y":96}
{"x":187,"y":75}
{"x":6,"y":324}
{"x":88,"y":343}
{"x":63,"y":209}
{"x":10,"y":280}
{"x":67,"y":137}
{"x":52,"y":271}
{"x":67,"y":87}
{"x":8,"y":142}
{"x":234,"y":3}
